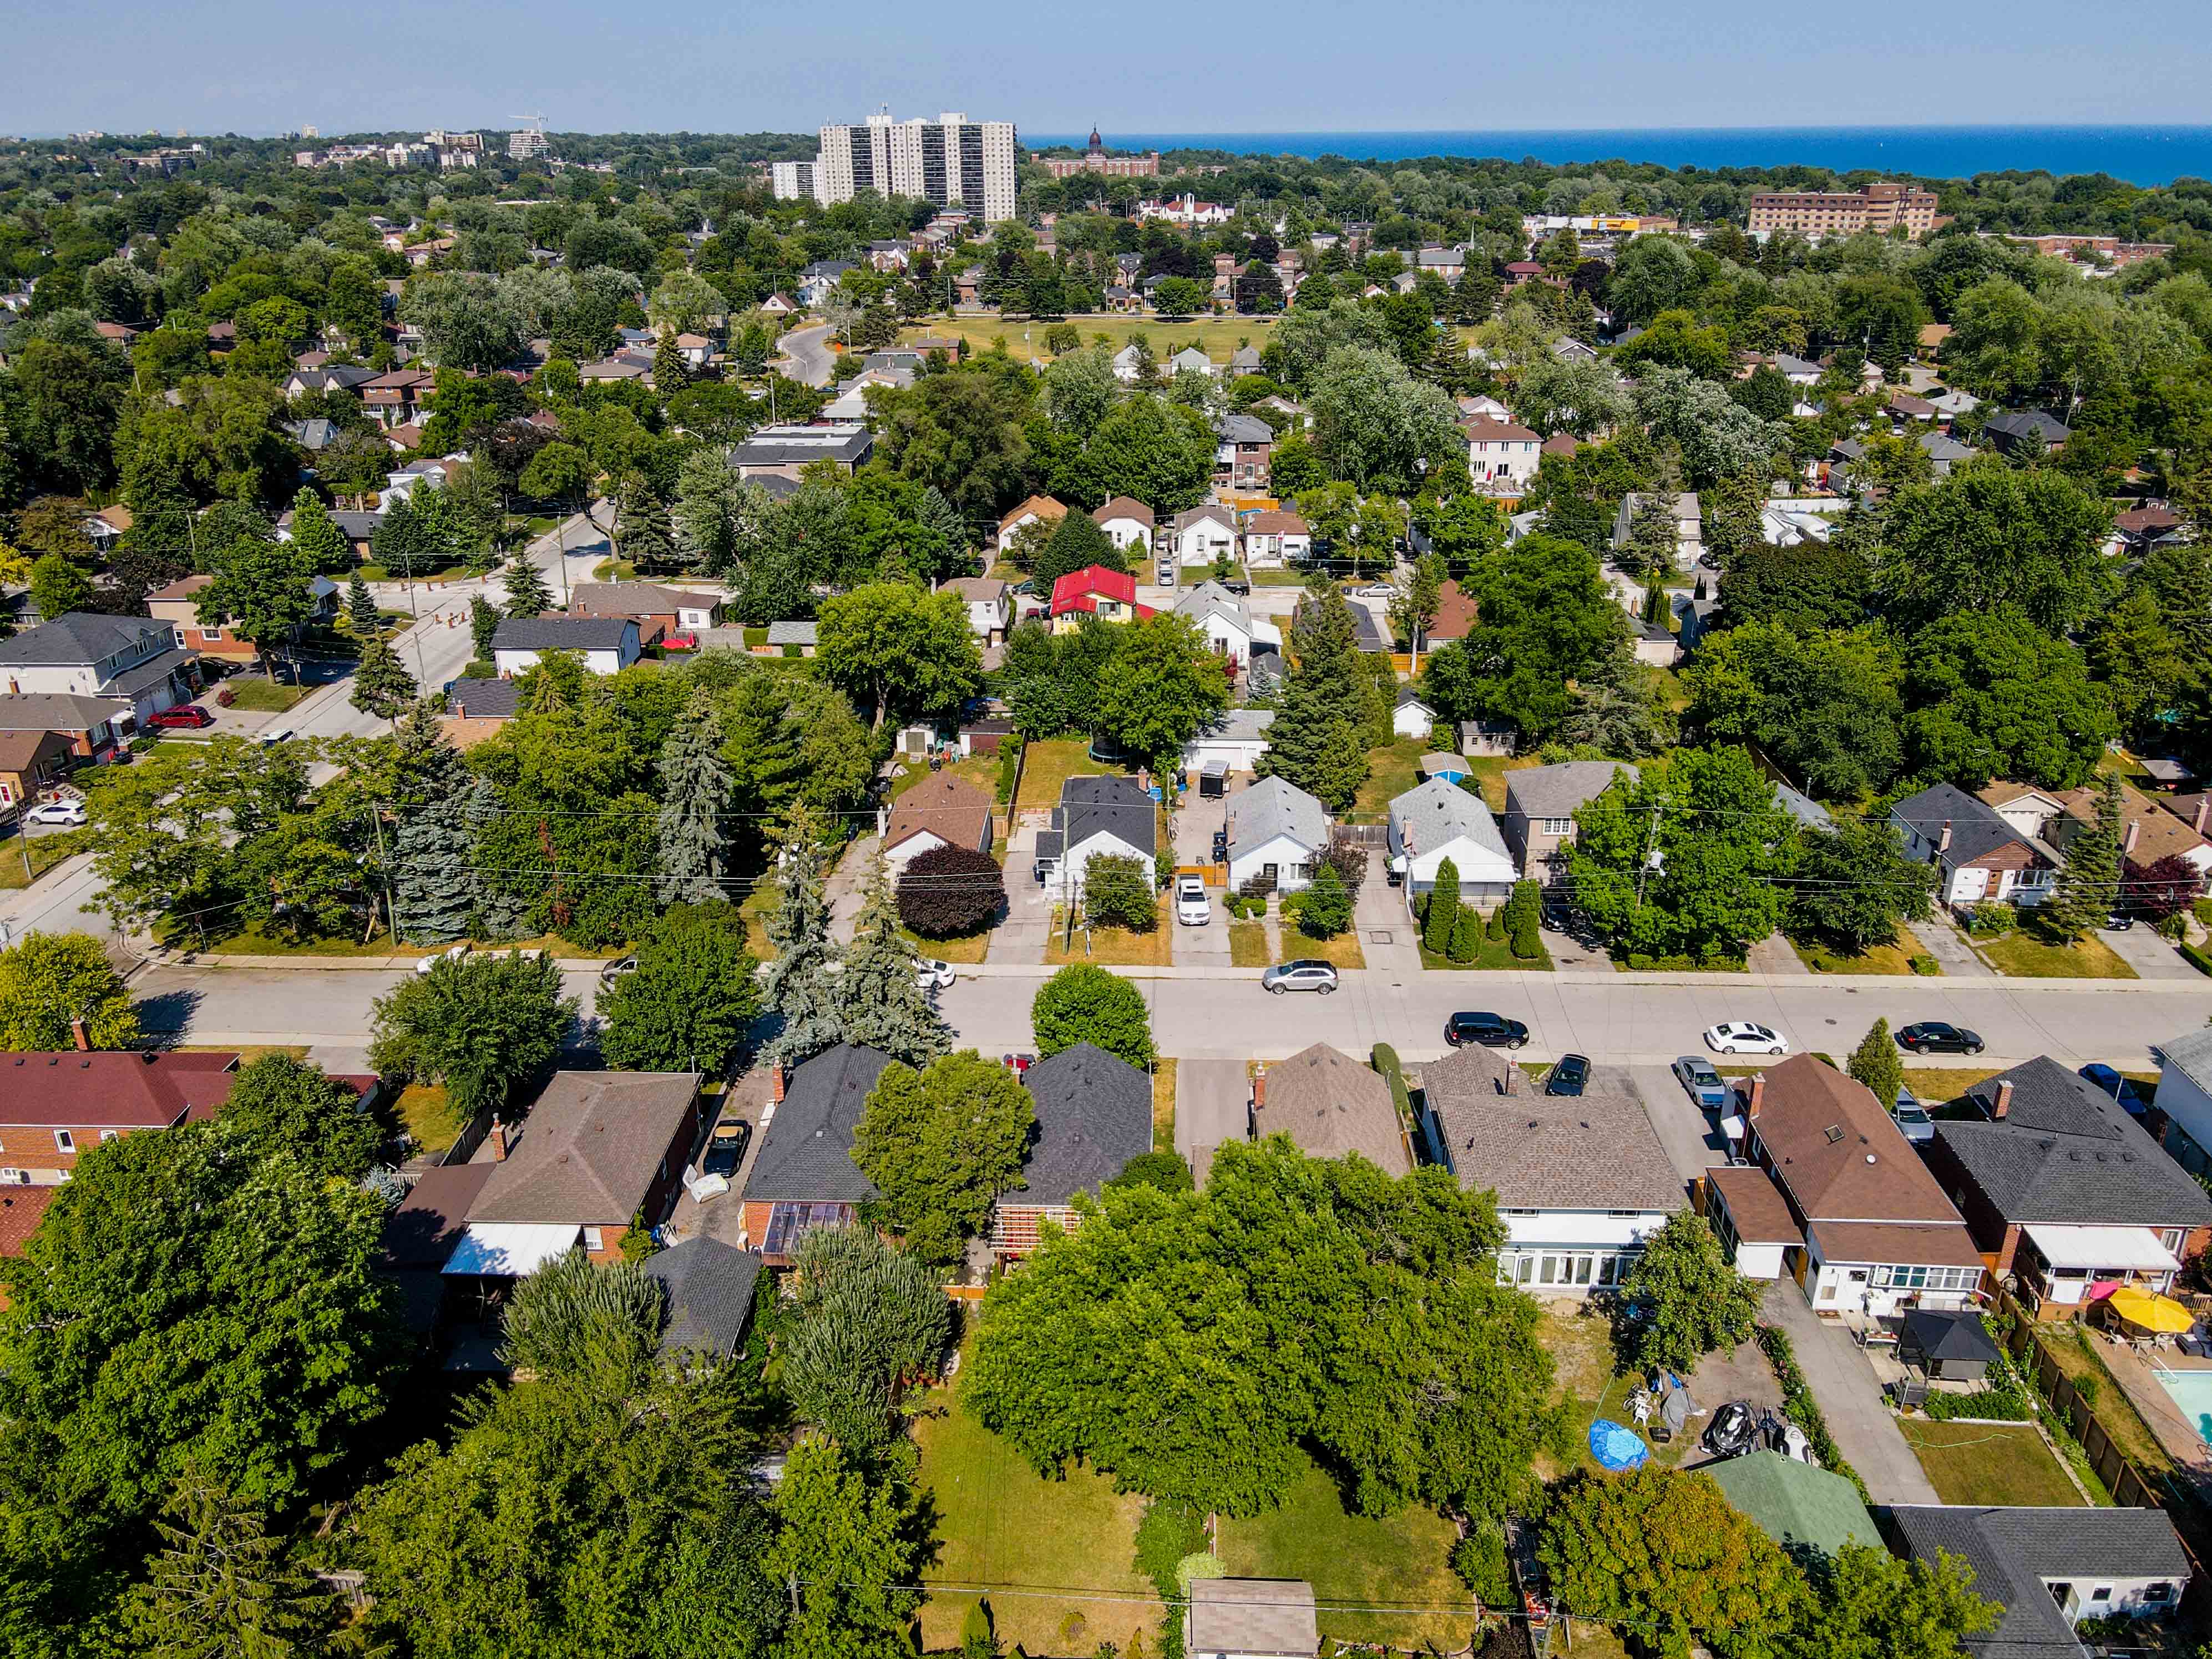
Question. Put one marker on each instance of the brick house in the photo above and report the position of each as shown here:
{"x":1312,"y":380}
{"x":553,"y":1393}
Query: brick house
{"x":1980,"y":854}
{"x":657,"y":610}
{"x":1094,"y":1113}
{"x":29,"y":760}
{"x":90,"y":725}
{"x":1241,"y":446}
{"x":178,"y":605}
{"x":55,"y":1107}
{"x":804,"y":1177}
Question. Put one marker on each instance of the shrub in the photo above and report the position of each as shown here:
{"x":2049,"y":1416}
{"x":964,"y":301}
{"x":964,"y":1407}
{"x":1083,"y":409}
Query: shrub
{"x":1010,"y":766}
{"x":1327,"y":909}
{"x":2197,"y":958}
{"x":1386,"y":1063}
{"x":1168,"y":1532}
{"x":1987,"y":921}
{"x":1441,"y":914}
{"x":1117,"y":892}
{"x":1926,"y":965}
{"x":1493,"y":925}
{"x":1478,"y":1559}
{"x":1526,"y":941}
{"x":948,"y":891}
{"x":1466,"y":935}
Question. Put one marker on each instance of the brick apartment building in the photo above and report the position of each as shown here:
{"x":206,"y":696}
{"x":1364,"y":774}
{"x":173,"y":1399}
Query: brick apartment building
{"x":1879,"y":208}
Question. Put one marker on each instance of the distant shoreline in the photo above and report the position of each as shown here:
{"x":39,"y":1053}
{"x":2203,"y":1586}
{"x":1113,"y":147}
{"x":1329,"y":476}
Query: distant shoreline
{"x":2143,"y":155}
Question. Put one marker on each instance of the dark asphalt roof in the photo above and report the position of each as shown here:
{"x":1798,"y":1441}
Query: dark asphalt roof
{"x":806,"y":1150}
{"x":560,"y":633}
{"x":485,"y":700}
{"x":1104,"y":806}
{"x":1976,"y":827}
{"x":1094,"y":1113}
{"x":709,"y":1286}
{"x":81,"y":637}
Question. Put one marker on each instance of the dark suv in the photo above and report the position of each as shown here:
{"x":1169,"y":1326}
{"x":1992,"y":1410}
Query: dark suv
{"x":1569,"y":1076}
{"x":1490,"y":1030}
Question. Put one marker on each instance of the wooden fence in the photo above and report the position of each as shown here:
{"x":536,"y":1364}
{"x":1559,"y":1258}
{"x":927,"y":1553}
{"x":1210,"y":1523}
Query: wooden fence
{"x":2122,"y":1478}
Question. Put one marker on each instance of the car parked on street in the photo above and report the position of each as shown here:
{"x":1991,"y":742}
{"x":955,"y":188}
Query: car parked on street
{"x":1306,"y":974}
{"x":614,"y":970}
{"x":934,"y":975}
{"x":1490,"y":1030}
{"x":1699,"y":1079}
{"x":185,"y":717}
{"x":1912,"y":1120}
{"x":1568,"y":1077}
{"x":1744,"y":1036}
{"x":725,"y":1147}
{"x":2101,"y":1076}
{"x":273,"y":736}
{"x":1935,"y":1037}
{"x":1191,"y":907}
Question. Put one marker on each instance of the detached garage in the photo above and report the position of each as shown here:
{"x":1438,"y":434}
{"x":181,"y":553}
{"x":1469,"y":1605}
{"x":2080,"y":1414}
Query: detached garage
{"x":1233,"y":743}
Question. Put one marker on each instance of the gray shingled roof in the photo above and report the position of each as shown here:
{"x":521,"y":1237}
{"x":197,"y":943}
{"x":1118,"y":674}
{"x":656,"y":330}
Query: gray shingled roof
{"x":1976,"y":827}
{"x":560,"y":633}
{"x":1594,"y":1151}
{"x":485,"y":700}
{"x":1330,"y":1105}
{"x":709,"y":1289}
{"x":1274,"y":807}
{"x":1560,"y":791}
{"x":2191,"y":1054}
{"x":1094,"y":1113}
{"x":806,"y":1151}
{"x":55,"y":711}
{"x":591,"y":1148}
{"x":2068,"y":1152}
{"x":1240,"y":724}
{"x":784,"y":446}
{"x":1439,"y":813}
{"x":1243,"y":429}
{"x":1092,"y":805}
{"x":79,"y":638}
{"x":1260,"y":1617}
{"x":794,"y":633}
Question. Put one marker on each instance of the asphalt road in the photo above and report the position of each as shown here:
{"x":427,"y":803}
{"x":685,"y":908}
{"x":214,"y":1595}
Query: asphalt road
{"x":808,"y":356}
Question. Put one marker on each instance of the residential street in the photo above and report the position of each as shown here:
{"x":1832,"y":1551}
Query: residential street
{"x":807,"y":354}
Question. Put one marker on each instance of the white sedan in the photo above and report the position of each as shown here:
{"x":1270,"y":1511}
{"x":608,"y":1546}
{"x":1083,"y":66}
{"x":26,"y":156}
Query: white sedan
{"x":932,"y":975}
{"x":1741,"y":1037}
{"x":69,"y":812}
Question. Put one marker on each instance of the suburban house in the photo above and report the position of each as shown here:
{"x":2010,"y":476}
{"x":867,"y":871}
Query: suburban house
{"x":29,"y":761}
{"x":990,"y":605}
{"x":792,"y":638}
{"x":707,"y":1288}
{"x":1097,"y":816}
{"x":802,"y":1175}
{"x":475,"y":710}
{"x":1232,"y":741}
{"x":1747,"y":1212}
{"x":2064,"y":1191}
{"x":1689,"y":527}
{"x":91,"y":726}
{"x":133,"y":660}
{"x":1094,"y":1113}
{"x":1581,"y":1179}
{"x":657,"y":611}
{"x":1277,"y":833}
{"x":607,"y":644}
{"x":1980,"y":854}
{"x":1038,"y":510}
{"x":1095,"y":591}
{"x":178,"y":605}
{"x":420,"y":1235}
{"x":1330,"y":1106}
{"x":1242,"y":444}
{"x":1540,"y":804}
{"x":1499,"y":449}
{"x":1438,"y":820}
{"x":2029,"y":810}
{"x":2184,"y":1098}
{"x":1203,"y":535}
{"x":1252,"y":1618}
{"x":1411,"y":717}
{"x":598,"y":1150}
{"x":2147,"y":831}
{"x":786,"y":451}
{"x":1876,"y":1233}
{"x":54,"y":1107}
{"x":2031,"y":432}
{"x":1454,"y":614}
{"x":1275,"y":537}
{"x":1127,"y":523}
{"x":2049,"y":1568}
{"x":941,"y":811}
{"x":21,"y":1210}
{"x":1230,"y":629}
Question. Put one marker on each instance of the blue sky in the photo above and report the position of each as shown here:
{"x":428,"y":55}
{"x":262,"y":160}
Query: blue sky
{"x":257,"y":66}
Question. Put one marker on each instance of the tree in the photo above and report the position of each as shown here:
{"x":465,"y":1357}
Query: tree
{"x":941,"y":1144}
{"x":1085,"y":1003}
{"x":1544,"y":616}
{"x":1651,"y":535}
{"x":1440,"y":914}
{"x":1653,"y":274}
{"x":1853,"y":887}
{"x":872,"y":1319}
{"x":1160,"y":688}
{"x":1872,"y":1605}
{"x":1662,"y":1553}
{"x":382,"y":685}
{"x":578,"y":1322}
{"x":1413,"y":606}
{"x":527,"y":593}
{"x":1989,"y":696}
{"x":559,"y":472}
{"x":1325,"y":910}
{"x":2163,"y":888}
{"x":484,"y":622}
{"x":802,"y":982}
{"x":1118,"y":892}
{"x":2088,"y":886}
{"x":884,"y":1005}
{"x":361,"y":609}
{"x":280,"y":1104}
{"x":1988,"y":537}
{"x":261,"y":589}
{"x":50,"y":980}
{"x":1813,"y":586}
{"x":695,"y":784}
{"x":1317,"y":740}
{"x":321,"y":542}
{"x":1826,"y":705}
{"x":1875,"y":1062}
{"x":644,"y":535}
{"x":437,"y":894}
{"x":1693,"y":1300}
{"x":219,"y":1584}
{"x":689,"y":1003}
{"x":1152,"y":450}
{"x":849,"y":1547}
{"x":950,"y":892}
{"x":479,"y":1024}
{"x":898,"y":649}
{"x":1075,"y":543}
{"x":59,"y":586}
{"x":1373,"y":421}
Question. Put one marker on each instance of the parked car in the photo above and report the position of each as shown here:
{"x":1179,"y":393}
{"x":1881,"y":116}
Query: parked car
{"x":1308,"y":974}
{"x":1490,"y":1030}
{"x":1237,"y":585}
{"x":451,"y":953}
{"x":2121,"y":1089}
{"x":1912,"y":1120}
{"x":725,"y":1147}
{"x":615,"y":971}
{"x":1743,"y":1036}
{"x":1375,"y":591}
{"x":70,"y":813}
{"x":1568,"y":1077}
{"x":185,"y":717}
{"x":1191,"y":907}
{"x":273,"y":736}
{"x":1703,"y":1083}
{"x":934,"y":975}
{"x":1935,"y":1037}
{"x":2117,"y":923}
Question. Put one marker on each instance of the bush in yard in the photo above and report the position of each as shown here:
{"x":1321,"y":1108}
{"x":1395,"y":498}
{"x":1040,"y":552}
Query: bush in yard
{"x":1010,"y":766}
{"x":1442,"y":915}
{"x":949,"y":891}
{"x":1875,"y":1063}
{"x":1084,"y":1003}
{"x":1693,"y":1300}
{"x":1466,"y":935}
{"x":1326,"y":911}
{"x":1348,"y":859}
{"x":1493,"y":924}
{"x":1117,"y":892}
{"x":1525,"y":941}
{"x":1987,"y":921}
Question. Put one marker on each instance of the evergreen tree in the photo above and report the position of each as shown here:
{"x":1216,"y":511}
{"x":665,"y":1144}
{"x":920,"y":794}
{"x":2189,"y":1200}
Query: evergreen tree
{"x":1466,"y":935}
{"x":671,"y":374}
{"x":220,"y":1584}
{"x":1651,"y":535}
{"x":2089,"y":886}
{"x":400,"y":543}
{"x":1439,"y":921}
{"x":321,"y":542}
{"x":885,"y":1006}
{"x":484,"y":622}
{"x":436,"y":890}
{"x":1875,"y":1063}
{"x":1316,"y":740}
{"x":1076,"y":543}
{"x":360,"y":608}
{"x":802,"y":984}
{"x":382,"y":685}
{"x":694,"y":792}
{"x":647,"y":538}
{"x":527,"y":593}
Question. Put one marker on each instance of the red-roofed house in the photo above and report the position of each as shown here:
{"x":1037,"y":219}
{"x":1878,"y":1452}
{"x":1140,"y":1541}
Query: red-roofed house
{"x":1108,"y":595}
{"x":54,"y":1107}
{"x":21,"y":1211}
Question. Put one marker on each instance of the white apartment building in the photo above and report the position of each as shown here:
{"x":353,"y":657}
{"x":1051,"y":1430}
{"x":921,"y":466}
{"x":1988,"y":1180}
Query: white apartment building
{"x":946,"y":161}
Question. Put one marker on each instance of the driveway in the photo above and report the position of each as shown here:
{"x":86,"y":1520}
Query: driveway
{"x":1689,"y":1132}
{"x":1387,"y":938}
{"x":1195,"y":821}
{"x":1849,"y":1397}
{"x":1212,"y":1102}
{"x":1020,"y":938}
{"x":1948,"y":946}
{"x":1772,"y":955}
{"x":2143,"y":949}
{"x":721,"y":1217}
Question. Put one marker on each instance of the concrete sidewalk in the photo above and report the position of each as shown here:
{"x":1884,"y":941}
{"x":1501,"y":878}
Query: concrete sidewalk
{"x":1849,"y":1397}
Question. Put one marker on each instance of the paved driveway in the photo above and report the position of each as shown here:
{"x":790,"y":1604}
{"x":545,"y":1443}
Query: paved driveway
{"x":1019,"y":939}
{"x":1689,"y":1132}
{"x":1389,"y":938}
{"x":1212,"y":1101}
{"x":1850,"y":1398}
{"x":1948,"y":946}
{"x":2151,"y":957}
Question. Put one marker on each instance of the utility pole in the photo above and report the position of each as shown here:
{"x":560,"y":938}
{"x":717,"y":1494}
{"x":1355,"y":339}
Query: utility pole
{"x":1644,"y":864}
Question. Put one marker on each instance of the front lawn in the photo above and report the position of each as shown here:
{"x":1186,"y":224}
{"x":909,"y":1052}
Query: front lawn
{"x":1401,"y":1561}
{"x":965,"y":951}
{"x":45,"y":852}
{"x":1894,"y":957}
{"x":1496,"y":956}
{"x":1989,"y":1463}
{"x":1163,"y":1104}
{"x":999,"y":1522}
{"x":1111,"y":947}
{"x":251,"y":941}
{"x":264,"y":696}
{"x":1248,"y":944}
{"x":2026,"y":953}
{"x":1342,"y":952}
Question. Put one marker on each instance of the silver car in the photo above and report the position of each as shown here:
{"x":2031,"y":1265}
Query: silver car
{"x":1309,"y":974}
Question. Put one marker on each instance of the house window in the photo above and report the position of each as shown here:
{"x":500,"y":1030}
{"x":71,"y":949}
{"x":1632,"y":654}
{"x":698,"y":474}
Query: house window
{"x":2102,"y":1593}
{"x":595,"y":1239}
{"x":15,"y":1177}
{"x":64,"y":1141}
{"x":107,"y":1135}
{"x":2158,"y":1593}
{"x":210,"y":636}
{"x":1559,"y":826}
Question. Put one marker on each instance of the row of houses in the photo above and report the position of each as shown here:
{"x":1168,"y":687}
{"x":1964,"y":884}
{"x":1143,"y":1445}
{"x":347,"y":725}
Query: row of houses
{"x":1263,"y":536}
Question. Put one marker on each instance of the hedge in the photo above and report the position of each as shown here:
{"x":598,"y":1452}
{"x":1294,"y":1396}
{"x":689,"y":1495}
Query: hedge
{"x":2197,"y":958}
{"x":1801,"y":1408}
{"x":1385,"y":1061}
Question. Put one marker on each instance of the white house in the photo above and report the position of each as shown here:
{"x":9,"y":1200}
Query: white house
{"x":1581,"y":1180}
{"x":1096,"y":817}
{"x":990,"y":605}
{"x":2047,"y":1569}
{"x":1276,"y":832}
{"x":1232,"y":741}
{"x":1275,"y":538}
{"x":1035,"y":509}
{"x":1981,"y":856}
{"x":1501,"y":450}
{"x":1128,"y":365}
{"x":1412,"y":718}
{"x":1439,"y":821}
{"x":1204,"y":534}
{"x":1127,"y":523}
{"x":1230,"y":629}
{"x":607,"y":644}
{"x":1482,"y":408}
{"x":2184,"y":1097}
{"x":87,"y":654}
{"x":1689,"y":527}
{"x":1190,"y":359}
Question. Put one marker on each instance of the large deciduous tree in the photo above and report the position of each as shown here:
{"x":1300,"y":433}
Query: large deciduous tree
{"x":1373,"y":421}
{"x":479,"y":1024}
{"x":50,"y":983}
{"x":1853,"y":887}
{"x":690,"y":1002}
{"x":261,"y":590}
{"x":1988,"y":537}
{"x":1160,"y":688}
{"x":942,"y":1144}
{"x":1544,"y":616}
{"x":1085,"y":1003}
{"x":898,"y":649}
{"x":1991,"y":695}
{"x":1693,"y":1300}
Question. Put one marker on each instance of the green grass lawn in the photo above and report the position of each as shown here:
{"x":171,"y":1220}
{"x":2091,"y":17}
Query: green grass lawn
{"x":45,"y":852}
{"x":266,"y":696}
{"x":1051,"y":762}
{"x":1248,"y":944}
{"x":981,"y":770}
{"x":999,"y":1522}
{"x":1401,"y":1561}
{"x":1496,"y":956}
{"x":1163,"y":1104}
{"x":1895,"y":957}
{"x":428,"y":1116}
{"x":251,"y":941}
{"x":1112,"y":947}
{"x":1342,"y":952}
{"x":964,"y":952}
{"x":1989,"y":1463}
{"x":614,"y":570}
{"x":755,"y":910}
{"x":2024,"y":953}
{"x":1391,"y":771}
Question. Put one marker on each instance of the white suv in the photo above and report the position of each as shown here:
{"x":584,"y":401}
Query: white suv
{"x":1192,"y":908}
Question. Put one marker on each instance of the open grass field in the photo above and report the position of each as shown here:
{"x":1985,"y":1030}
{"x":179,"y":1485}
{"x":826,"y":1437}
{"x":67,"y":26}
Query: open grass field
{"x":1895,"y":957}
{"x":1400,"y":1562}
{"x":1112,"y":947}
{"x":999,"y":1522}
{"x":1216,"y":337}
{"x":1989,"y":1463}
{"x":2024,"y":954}
{"x":1047,"y":764}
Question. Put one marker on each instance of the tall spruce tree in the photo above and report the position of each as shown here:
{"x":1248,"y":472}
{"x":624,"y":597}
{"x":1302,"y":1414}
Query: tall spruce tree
{"x":484,"y":622}
{"x":802,"y":984}
{"x":2089,"y":887}
{"x":694,"y":793}
{"x":322,"y":542}
{"x":436,"y":892}
{"x":671,"y":374}
{"x":1316,"y":741}
{"x":1875,"y":1062}
{"x":527,"y":593}
{"x":382,"y":685}
{"x":360,"y":608}
{"x":885,"y":1006}
{"x":646,"y":536}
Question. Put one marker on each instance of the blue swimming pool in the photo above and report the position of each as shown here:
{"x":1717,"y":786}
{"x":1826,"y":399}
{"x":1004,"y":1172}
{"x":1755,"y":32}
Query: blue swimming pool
{"x":2192,"y":1392}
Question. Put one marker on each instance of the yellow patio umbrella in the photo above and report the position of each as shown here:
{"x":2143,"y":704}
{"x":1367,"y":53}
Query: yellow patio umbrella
{"x":2149,"y":1310}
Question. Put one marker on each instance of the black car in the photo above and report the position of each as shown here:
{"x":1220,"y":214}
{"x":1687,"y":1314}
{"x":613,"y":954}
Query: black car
{"x":1568,"y":1077}
{"x":1490,"y":1030}
{"x":1934,"y":1037}
{"x":725,"y":1147}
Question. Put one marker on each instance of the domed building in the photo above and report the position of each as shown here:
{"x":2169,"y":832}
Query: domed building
{"x":1095,"y":159}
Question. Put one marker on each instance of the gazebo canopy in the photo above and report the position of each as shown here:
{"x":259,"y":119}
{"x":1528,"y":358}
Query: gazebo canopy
{"x":1954,"y":1338}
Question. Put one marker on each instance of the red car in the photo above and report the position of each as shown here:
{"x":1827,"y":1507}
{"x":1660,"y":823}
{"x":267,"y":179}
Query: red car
{"x":190,"y":716}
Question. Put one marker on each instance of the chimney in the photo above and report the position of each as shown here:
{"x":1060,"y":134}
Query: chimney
{"x":2135,"y":831}
{"x":498,"y":1139}
{"x":1512,"y":1079}
{"x":83,"y":1037}
{"x":1259,"y":1092}
{"x":1943,"y":841}
{"x":775,"y":1083}
{"x":1751,"y":1100}
{"x":2004,"y":1101}
{"x":2203,"y":812}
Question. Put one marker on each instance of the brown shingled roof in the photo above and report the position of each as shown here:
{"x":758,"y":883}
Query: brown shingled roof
{"x":1329,"y":1105}
{"x":590,"y":1149}
{"x":72,"y":1090}
{"x":1836,"y":1149}
{"x":951,"y":809}
{"x":21,"y":1209}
